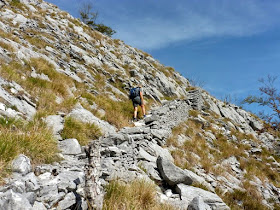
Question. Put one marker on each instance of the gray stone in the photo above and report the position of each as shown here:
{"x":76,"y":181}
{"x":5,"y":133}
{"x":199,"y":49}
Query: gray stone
{"x":14,"y":201}
{"x":21,"y":165}
{"x":70,"y":147}
{"x":198,"y":204}
{"x":31,"y":182}
{"x":171,"y":173}
{"x":160,"y":133}
{"x":55,"y":122}
{"x":199,"y":180}
{"x":133,"y":130}
{"x":67,"y":202}
{"x":143,"y":155}
{"x":159,"y":151}
{"x":151,"y":119}
{"x":188,"y":193}
{"x":18,"y":186}
{"x":114,"y":139}
{"x":31,"y":197}
{"x":256,"y":125}
{"x":48,"y":192}
{"x":38,"y":206}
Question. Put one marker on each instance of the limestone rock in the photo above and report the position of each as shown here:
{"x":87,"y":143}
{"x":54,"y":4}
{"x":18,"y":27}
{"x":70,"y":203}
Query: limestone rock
{"x":172,"y":174}
{"x":86,"y":116}
{"x":70,"y":147}
{"x":198,"y":204}
{"x":12,"y":200}
{"x":38,"y":206}
{"x":21,"y":165}
{"x":55,"y":122}
{"x":67,"y":202}
{"x":188,"y":193}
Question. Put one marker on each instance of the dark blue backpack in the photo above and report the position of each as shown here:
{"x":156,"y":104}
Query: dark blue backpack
{"x":134,"y":92}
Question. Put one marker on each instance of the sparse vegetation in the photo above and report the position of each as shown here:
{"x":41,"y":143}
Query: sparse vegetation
{"x":198,"y":151}
{"x":43,"y":91}
{"x":138,"y":194}
{"x":250,"y":198}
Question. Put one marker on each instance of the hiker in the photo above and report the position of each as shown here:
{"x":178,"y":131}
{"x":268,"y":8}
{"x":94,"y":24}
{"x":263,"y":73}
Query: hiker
{"x":136,"y":95}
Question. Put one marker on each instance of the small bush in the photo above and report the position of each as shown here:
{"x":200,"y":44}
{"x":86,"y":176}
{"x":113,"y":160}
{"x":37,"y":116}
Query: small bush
{"x":138,"y":194}
{"x":83,"y":132}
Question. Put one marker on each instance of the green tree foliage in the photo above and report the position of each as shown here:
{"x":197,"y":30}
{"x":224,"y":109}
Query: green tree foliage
{"x":89,"y":17}
{"x":269,"y":97}
{"x":104,"y":29}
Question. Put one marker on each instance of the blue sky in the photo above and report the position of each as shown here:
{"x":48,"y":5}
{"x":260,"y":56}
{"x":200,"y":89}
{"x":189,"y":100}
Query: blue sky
{"x":226,"y":45}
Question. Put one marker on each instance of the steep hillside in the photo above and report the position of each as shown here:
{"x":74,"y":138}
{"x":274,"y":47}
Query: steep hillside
{"x":66,"y":140}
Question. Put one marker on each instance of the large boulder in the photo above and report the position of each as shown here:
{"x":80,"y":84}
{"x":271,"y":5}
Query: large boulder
{"x":188,"y":193}
{"x":172,"y":174}
{"x":21,"y":165}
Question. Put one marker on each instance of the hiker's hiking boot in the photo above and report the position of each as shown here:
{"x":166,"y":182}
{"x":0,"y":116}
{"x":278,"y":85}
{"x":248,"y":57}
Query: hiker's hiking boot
{"x":134,"y":120}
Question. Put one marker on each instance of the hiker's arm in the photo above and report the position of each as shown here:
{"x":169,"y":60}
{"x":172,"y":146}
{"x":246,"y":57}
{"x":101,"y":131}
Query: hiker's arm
{"x":141,"y":96}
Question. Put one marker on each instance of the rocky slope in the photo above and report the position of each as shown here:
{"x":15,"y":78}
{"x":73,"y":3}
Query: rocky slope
{"x":202,"y":153}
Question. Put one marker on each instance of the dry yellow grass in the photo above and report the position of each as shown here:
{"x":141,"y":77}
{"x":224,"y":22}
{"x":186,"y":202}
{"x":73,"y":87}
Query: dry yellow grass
{"x":33,"y":139}
{"x":7,"y":46}
{"x":83,"y":132}
{"x":138,"y":194}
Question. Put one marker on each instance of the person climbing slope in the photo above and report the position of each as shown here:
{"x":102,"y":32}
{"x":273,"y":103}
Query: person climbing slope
{"x":136,"y":95}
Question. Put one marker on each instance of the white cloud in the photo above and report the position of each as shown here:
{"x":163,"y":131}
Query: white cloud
{"x":190,"y":20}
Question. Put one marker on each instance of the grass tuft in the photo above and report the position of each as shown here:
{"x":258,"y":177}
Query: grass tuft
{"x":33,"y":139}
{"x":83,"y":132}
{"x":138,"y":194}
